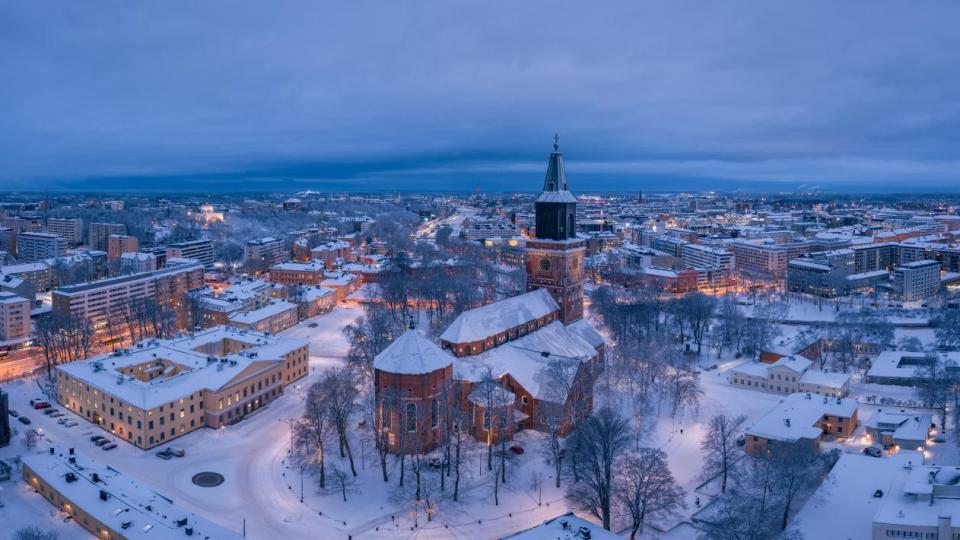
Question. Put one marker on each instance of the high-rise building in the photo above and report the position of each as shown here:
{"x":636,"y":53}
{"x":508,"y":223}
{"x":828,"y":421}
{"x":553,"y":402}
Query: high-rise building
{"x":916,"y":280}
{"x":36,"y":246}
{"x":555,"y":256}
{"x":71,"y":229}
{"x":99,"y":233}
{"x":118,"y":244}
{"x":200,"y":250}
{"x":104,"y":301}
{"x":4,"y":419}
{"x":260,"y":255}
{"x":14,"y":318}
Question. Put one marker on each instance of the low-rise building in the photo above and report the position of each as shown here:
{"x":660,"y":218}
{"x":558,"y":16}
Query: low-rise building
{"x":137,"y":262}
{"x":788,"y":375}
{"x":161,"y":389}
{"x":274,"y":317}
{"x":907,"y":368}
{"x":800,"y":421}
{"x":901,"y":429}
{"x":111,"y":505}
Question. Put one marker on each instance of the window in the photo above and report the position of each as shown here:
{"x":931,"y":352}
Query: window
{"x":411,"y":417}
{"x":486,"y":419}
{"x":434,"y":413}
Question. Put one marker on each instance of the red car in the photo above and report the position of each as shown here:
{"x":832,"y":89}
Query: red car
{"x":41,"y":405}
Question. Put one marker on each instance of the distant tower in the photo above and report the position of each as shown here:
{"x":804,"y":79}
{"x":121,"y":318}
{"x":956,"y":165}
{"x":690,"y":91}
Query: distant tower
{"x":555,"y":256}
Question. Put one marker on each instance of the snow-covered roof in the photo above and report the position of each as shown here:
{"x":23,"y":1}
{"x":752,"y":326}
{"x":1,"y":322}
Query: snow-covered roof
{"x":849,"y":491}
{"x":528,"y":360}
{"x":491,"y":394}
{"x":492,"y":319}
{"x":198,"y":369}
{"x":797,"y":364}
{"x":796,"y":416}
{"x":906,"y":365}
{"x":564,"y":527}
{"x":905,"y":427}
{"x":412,"y":354}
{"x":822,"y":378}
{"x":257,"y":315}
{"x":131,"y":508}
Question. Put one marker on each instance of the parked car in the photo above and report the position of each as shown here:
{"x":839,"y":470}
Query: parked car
{"x":13,"y":413}
{"x":110,"y":446}
{"x":63,"y":421}
{"x":102,"y":442}
{"x":177,"y":452}
{"x":24,"y":420}
{"x":70,"y":423}
{"x":56,"y":414}
{"x":163,"y":454}
{"x":48,"y":412}
{"x":873,"y":451}
{"x":39,"y":405}
{"x":97,"y":438}
{"x":313,"y":325}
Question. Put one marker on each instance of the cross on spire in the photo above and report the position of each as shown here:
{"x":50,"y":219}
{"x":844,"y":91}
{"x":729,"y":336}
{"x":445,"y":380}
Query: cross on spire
{"x":556,"y":142}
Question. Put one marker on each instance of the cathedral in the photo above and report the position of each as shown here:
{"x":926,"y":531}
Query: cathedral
{"x":526,"y":362}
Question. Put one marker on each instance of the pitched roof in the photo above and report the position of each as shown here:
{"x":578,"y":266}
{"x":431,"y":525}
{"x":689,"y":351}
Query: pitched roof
{"x":412,"y":354}
{"x":491,"y":319}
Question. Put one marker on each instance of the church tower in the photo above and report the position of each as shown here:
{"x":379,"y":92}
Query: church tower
{"x":555,"y":255}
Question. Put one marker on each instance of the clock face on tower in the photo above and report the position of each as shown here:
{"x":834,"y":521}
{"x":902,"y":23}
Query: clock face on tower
{"x":545,"y":264}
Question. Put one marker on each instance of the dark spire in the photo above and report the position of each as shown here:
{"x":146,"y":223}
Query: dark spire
{"x":556,"y":179}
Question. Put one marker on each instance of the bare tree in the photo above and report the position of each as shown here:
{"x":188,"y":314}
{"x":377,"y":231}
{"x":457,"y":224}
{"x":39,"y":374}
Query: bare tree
{"x":600,"y":441}
{"x":948,"y":329}
{"x":339,"y":393}
{"x":311,"y":433}
{"x":34,"y":533}
{"x":683,"y":387}
{"x":342,"y":481}
{"x":719,"y":447}
{"x":31,"y":439}
{"x":645,"y":488}
{"x":370,"y":335}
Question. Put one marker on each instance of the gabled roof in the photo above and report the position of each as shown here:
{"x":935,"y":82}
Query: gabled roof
{"x":412,"y":354}
{"x":491,"y":319}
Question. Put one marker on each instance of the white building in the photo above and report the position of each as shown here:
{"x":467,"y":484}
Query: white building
{"x":788,"y":375}
{"x":134,"y":263}
{"x":71,"y":229}
{"x":699,"y":256}
{"x":36,"y":246}
{"x":274,"y":317}
{"x":916,"y":280}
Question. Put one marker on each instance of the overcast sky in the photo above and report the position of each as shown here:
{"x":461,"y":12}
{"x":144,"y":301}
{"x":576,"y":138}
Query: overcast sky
{"x":447,"y":95}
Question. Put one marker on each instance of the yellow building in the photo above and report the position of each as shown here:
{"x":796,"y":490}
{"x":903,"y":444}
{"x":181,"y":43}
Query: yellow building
{"x":163,"y":388}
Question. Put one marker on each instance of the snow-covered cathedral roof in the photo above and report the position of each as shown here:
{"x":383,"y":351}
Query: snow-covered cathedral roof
{"x":491,"y":319}
{"x":412,"y":354}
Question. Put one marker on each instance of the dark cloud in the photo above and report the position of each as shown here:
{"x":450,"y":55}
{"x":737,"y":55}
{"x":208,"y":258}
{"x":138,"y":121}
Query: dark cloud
{"x":446,"y":95}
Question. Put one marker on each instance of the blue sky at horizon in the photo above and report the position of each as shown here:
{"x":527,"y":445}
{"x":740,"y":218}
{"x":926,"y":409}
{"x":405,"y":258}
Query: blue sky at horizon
{"x":445,"y":96}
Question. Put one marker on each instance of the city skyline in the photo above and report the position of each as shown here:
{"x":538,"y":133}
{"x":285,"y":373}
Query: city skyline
{"x":446,"y":97}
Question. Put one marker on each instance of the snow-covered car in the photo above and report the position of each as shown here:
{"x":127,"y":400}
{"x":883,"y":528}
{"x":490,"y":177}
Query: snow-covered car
{"x":873,"y":451}
{"x":13,"y":413}
{"x":70,"y":423}
{"x":24,"y":420}
{"x":110,"y":446}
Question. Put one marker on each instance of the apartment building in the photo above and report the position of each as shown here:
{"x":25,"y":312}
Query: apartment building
{"x":916,"y":280}
{"x":260,"y":255}
{"x":200,"y":250}
{"x":118,"y":244}
{"x":14,"y":319}
{"x":71,"y":229}
{"x":162,"y":389}
{"x":38,"y":273}
{"x":788,"y":375}
{"x":137,"y":262}
{"x":106,"y":299}
{"x":98,"y":233}
{"x":36,"y":246}
{"x":701,"y":256}
{"x":765,"y":259}
{"x":297,"y":273}
{"x":109,"y":504}
{"x":8,"y":240}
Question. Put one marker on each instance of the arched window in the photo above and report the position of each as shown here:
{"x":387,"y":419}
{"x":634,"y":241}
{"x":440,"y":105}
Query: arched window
{"x":434,"y":413}
{"x":411,"y":417}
